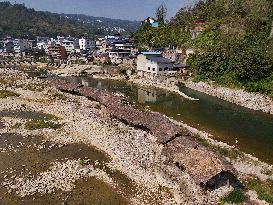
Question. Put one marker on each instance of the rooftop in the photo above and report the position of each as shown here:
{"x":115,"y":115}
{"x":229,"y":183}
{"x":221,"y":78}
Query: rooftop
{"x":160,"y":59}
{"x":151,"y":53}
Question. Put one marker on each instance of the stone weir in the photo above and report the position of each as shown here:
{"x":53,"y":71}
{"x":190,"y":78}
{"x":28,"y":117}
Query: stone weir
{"x":181,"y":148}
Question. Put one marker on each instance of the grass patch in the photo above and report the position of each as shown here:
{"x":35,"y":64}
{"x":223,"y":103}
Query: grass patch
{"x":84,"y":162}
{"x":7,"y":93}
{"x":263,"y":189}
{"x":123,"y":71}
{"x":98,"y":106}
{"x":34,"y":87}
{"x":237,"y":196}
{"x":17,"y":125}
{"x":58,"y":96}
{"x":41,"y":124}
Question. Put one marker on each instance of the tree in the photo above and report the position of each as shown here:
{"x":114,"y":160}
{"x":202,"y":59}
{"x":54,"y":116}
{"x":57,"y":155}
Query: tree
{"x":161,"y":13}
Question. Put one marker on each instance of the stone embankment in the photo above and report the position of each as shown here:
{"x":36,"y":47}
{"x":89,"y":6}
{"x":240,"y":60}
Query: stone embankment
{"x":240,"y":97}
{"x":202,"y":164}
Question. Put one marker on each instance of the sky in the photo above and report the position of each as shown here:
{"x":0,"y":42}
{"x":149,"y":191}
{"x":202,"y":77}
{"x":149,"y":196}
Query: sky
{"x":118,"y":9}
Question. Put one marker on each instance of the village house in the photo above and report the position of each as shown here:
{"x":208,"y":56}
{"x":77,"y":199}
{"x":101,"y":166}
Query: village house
{"x":101,"y":58}
{"x":117,"y":55}
{"x":57,"y":52}
{"x":86,"y":44}
{"x":20,"y":45}
{"x":152,"y":22}
{"x":199,"y":26}
{"x":70,"y":44}
{"x":152,"y":65}
{"x":175,"y":55}
{"x":8,"y":46}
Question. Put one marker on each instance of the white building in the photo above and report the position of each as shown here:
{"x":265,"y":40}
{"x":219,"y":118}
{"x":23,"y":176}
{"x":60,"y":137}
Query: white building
{"x":86,"y":44}
{"x":20,"y":45}
{"x":152,"y":64}
{"x":68,"y":45}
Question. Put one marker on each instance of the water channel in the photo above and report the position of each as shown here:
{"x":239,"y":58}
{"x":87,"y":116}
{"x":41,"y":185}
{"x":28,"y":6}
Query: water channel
{"x":251,"y":131}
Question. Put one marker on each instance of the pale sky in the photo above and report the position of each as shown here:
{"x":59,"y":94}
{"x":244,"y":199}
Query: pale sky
{"x":118,"y":9}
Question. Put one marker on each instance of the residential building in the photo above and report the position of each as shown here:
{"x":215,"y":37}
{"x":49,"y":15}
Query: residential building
{"x":57,"y":52}
{"x":154,"y":23}
{"x":152,"y":64}
{"x":117,"y":55}
{"x":20,"y":45}
{"x":199,"y":26}
{"x":8,"y":46}
{"x":68,"y":45}
{"x":87,"y":44}
{"x":174,"y":55}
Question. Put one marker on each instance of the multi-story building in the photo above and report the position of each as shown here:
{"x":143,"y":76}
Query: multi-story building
{"x":57,"y":52}
{"x":86,"y":44}
{"x":70,"y":44}
{"x":152,"y":64}
{"x":20,"y":45}
{"x":118,"y":55}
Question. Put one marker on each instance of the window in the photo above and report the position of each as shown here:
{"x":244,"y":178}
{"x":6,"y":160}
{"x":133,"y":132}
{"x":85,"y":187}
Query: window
{"x":166,"y":68}
{"x":153,"y":69}
{"x":160,"y":69}
{"x":149,"y":68}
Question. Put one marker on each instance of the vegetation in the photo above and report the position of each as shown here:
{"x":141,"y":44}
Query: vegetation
{"x":230,"y":153}
{"x":7,"y":93}
{"x":166,"y":35}
{"x":41,"y":124}
{"x":234,"y":48}
{"x":235,"y":197}
{"x":17,"y":125}
{"x":18,"y":21}
{"x":263,"y":189}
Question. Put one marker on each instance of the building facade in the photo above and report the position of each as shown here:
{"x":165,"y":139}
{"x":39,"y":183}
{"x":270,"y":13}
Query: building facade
{"x":86,"y":44}
{"x":152,"y":65}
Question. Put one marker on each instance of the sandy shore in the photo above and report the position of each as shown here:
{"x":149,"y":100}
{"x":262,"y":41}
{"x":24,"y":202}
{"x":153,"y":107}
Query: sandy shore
{"x":131,"y":151}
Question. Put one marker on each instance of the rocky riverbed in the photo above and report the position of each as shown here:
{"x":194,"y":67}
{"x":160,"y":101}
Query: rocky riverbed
{"x":240,"y":97}
{"x":59,"y":148}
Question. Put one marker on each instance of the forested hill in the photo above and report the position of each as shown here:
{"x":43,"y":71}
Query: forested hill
{"x":18,"y":21}
{"x":235,"y":47}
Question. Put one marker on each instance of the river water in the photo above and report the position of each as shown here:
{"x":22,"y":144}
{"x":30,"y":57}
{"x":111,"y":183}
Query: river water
{"x":250,"y":131}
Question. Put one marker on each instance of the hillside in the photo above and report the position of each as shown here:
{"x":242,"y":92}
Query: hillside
{"x":18,"y":20}
{"x":234,"y":47}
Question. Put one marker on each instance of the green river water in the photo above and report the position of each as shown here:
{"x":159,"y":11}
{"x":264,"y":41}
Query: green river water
{"x":250,"y":131}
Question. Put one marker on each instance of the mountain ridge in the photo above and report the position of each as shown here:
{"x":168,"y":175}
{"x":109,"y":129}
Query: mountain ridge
{"x":17,"y":20}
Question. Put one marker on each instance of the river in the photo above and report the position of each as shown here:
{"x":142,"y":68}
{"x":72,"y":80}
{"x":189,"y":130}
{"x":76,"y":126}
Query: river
{"x":250,"y":131}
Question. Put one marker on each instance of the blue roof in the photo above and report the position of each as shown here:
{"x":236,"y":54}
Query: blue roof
{"x":151,"y":53}
{"x":155,"y":24}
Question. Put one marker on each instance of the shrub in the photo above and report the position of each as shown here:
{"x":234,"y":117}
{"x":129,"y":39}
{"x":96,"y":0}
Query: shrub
{"x":234,"y":197}
{"x":6,"y":93}
{"x":40,"y":124}
{"x":263,"y":189}
{"x":122,"y":71}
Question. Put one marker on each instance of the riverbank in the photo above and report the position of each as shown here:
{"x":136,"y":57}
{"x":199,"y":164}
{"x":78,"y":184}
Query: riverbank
{"x":131,"y":151}
{"x":254,"y":101}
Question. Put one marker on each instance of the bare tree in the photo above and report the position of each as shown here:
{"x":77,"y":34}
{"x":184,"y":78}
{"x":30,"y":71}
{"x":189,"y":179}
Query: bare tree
{"x":161,"y":13}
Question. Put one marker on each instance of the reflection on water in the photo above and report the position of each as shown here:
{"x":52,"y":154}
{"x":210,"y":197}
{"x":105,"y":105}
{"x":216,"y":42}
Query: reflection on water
{"x":226,"y":121}
{"x":146,"y":95}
